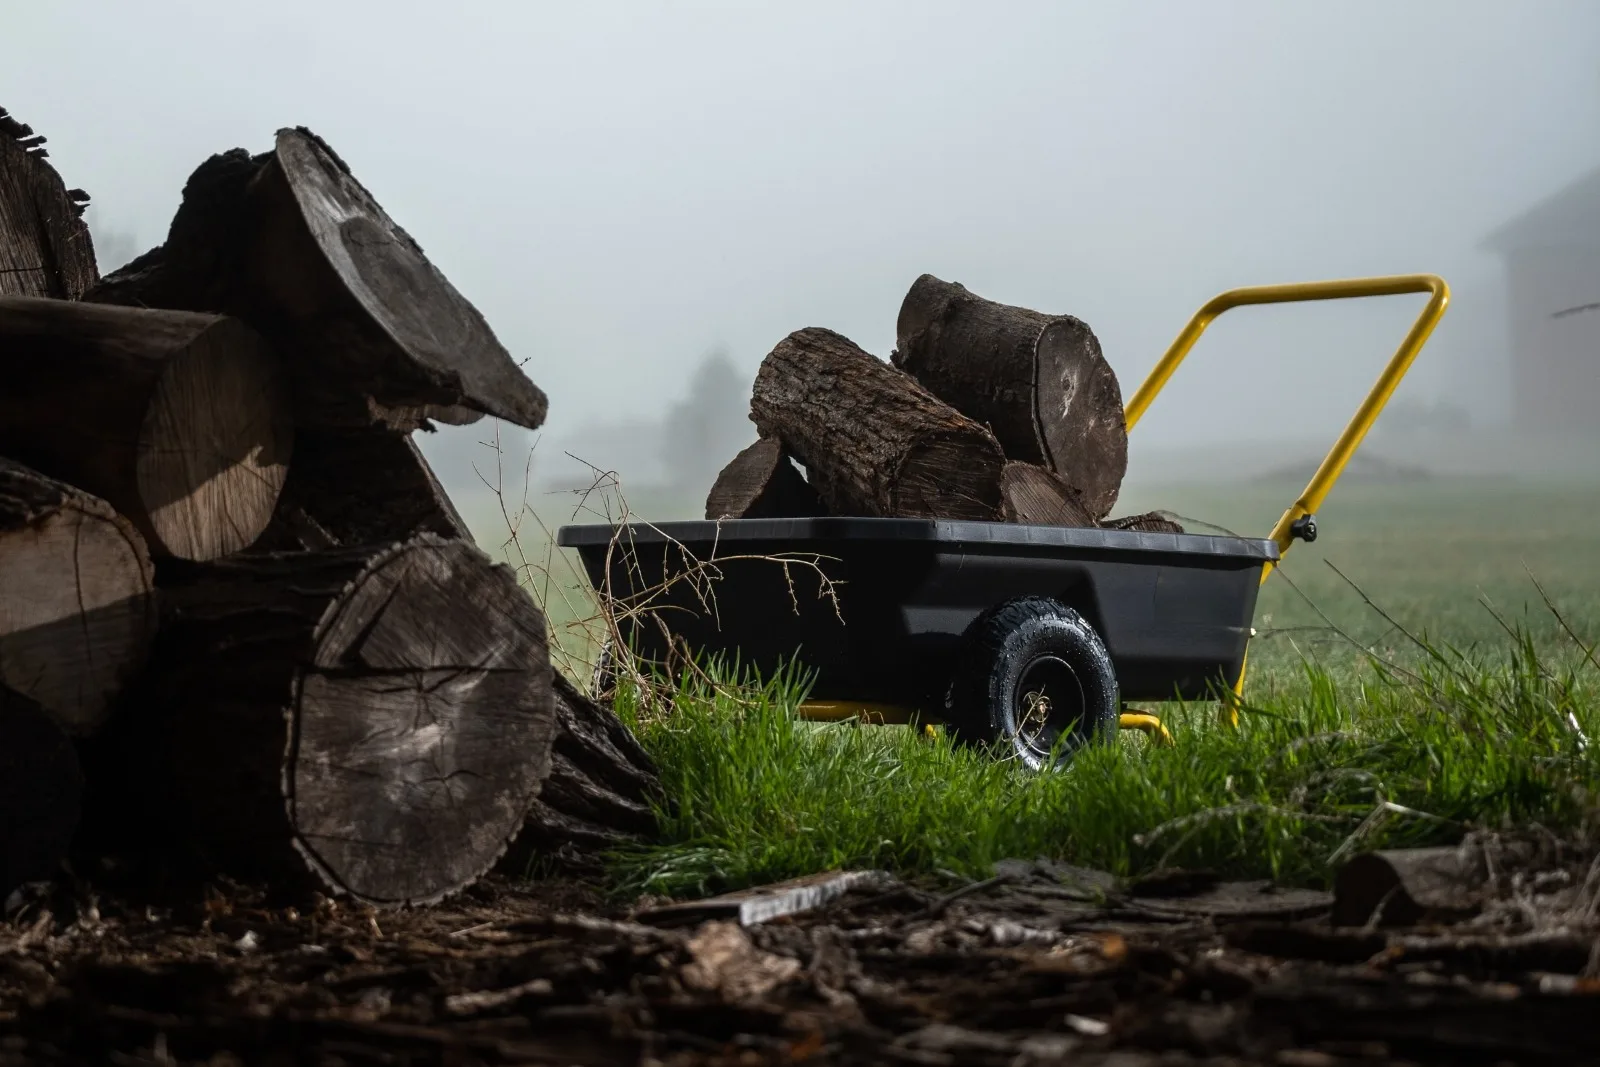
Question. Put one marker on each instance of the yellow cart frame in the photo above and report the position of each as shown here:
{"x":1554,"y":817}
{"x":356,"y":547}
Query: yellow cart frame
{"x":1298,"y":521}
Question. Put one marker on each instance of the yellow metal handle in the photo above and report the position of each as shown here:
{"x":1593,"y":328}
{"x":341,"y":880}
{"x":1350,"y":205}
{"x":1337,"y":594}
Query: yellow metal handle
{"x":1333,"y":464}
{"x":1338,"y":456}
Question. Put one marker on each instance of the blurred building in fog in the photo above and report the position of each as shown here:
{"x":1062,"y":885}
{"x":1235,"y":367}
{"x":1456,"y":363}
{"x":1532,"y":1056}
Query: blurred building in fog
{"x":1551,"y":254}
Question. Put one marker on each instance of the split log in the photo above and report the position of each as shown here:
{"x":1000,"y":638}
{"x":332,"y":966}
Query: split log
{"x":45,"y":248}
{"x":359,"y":487}
{"x":370,"y":721}
{"x":599,"y":793}
{"x":1148,"y":522}
{"x":290,"y":242}
{"x":41,"y":793}
{"x":180,"y":421}
{"x":1031,"y":494}
{"x":762,"y":483}
{"x":873,"y":441}
{"x":1039,"y":382}
{"x":77,"y":613}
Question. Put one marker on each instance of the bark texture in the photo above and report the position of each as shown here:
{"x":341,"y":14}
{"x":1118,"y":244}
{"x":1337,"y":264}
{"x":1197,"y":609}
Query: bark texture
{"x":293,"y":244}
{"x":1038,"y":381}
{"x":45,"y":248}
{"x":41,"y":793}
{"x":371,"y":721}
{"x":1034,"y":495}
{"x":873,"y":441}
{"x":180,"y":421}
{"x":599,"y":793}
{"x":77,"y":609}
{"x":762,"y":483}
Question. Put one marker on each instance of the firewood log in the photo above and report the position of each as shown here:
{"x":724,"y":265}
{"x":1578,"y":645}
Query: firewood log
{"x":874,"y":442}
{"x":180,"y":421}
{"x":371,"y":721}
{"x":290,"y":242}
{"x":1035,"y":495}
{"x":761,"y":483}
{"x":45,"y":248}
{"x":1039,"y":382}
{"x":77,"y":611}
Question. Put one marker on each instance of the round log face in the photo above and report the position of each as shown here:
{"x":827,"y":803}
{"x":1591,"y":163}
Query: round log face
{"x":403,"y":294}
{"x":76,"y":611}
{"x":1080,"y":411}
{"x":214,"y":449}
{"x":949,"y":476}
{"x":411,"y":769}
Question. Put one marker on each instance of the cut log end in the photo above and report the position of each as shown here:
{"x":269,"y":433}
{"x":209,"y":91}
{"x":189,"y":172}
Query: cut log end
{"x":1033,"y":495}
{"x":214,"y":449}
{"x":1080,"y":413}
{"x":423,"y":725}
{"x":1149,"y":522}
{"x":402,"y":295}
{"x":761,"y":482}
{"x":77,"y":613}
{"x":41,"y":793}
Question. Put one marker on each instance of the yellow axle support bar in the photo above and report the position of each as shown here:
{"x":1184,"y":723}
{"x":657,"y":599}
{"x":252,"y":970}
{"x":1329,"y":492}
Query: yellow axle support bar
{"x":1289,"y":527}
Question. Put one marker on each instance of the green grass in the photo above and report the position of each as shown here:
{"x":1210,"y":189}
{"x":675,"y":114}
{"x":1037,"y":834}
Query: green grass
{"x":1479,"y":719}
{"x":1314,"y":772}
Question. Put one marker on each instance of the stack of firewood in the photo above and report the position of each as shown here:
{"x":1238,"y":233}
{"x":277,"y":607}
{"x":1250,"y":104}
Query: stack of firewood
{"x":986,"y":412}
{"x":238,"y":615}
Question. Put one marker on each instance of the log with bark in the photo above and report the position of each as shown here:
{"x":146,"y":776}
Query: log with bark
{"x":290,"y":242}
{"x":45,"y":248}
{"x":356,"y":487}
{"x":41,"y":793}
{"x":372,"y":721}
{"x":600,"y":791}
{"x":180,"y":421}
{"x":1039,"y":382}
{"x":1033,"y":494}
{"x":873,"y":441}
{"x":77,"y":612}
{"x":762,"y":483}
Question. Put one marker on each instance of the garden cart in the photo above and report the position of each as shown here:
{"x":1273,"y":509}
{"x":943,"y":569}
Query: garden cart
{"x":1031,"y":636}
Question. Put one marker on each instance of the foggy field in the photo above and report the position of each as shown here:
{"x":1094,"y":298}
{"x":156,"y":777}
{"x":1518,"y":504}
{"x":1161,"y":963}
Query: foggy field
{"x":1483,"y":739}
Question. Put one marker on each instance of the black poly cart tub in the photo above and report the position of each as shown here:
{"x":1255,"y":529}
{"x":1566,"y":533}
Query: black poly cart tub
{"x":1173,"y":610}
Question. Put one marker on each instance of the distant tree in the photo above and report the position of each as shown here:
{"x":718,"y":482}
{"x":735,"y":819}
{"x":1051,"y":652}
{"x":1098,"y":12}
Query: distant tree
{"x":701,"y":432}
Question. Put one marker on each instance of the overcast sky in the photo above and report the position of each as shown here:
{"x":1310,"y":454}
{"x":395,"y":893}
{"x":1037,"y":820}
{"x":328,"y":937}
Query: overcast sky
{"x":620,"y":187}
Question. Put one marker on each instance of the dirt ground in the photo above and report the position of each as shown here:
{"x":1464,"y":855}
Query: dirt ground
{"x":1034,"y":967}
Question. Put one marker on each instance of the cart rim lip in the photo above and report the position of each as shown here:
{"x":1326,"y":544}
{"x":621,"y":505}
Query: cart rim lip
{"x":943,"y":533}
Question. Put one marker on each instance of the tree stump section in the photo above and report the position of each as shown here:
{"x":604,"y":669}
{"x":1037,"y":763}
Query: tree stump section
{"x":77,"y":612}
{"x":599,"y":793}
{"x":290,"y":242}
{"x":873,"y":441}
{"x":1033,"y":495}
{"x":762,"y":483}
{"x":1039,"y":382}
{"x":41,"y":793}
{"x":45,"y":248}
{"x":371,"y":721}
{"x":180,"y":421}
{"x":359,"y":487}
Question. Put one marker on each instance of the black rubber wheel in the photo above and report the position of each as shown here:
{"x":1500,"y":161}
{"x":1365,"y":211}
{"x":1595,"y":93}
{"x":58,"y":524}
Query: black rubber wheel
{"x":1034,"y":676}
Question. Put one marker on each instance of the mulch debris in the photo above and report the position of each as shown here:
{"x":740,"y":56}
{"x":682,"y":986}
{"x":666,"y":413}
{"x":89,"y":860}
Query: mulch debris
{"x":1041,"y":964}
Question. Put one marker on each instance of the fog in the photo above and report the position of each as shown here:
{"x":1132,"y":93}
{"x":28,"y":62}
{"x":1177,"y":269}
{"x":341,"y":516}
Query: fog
{"x":628,"y":190}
